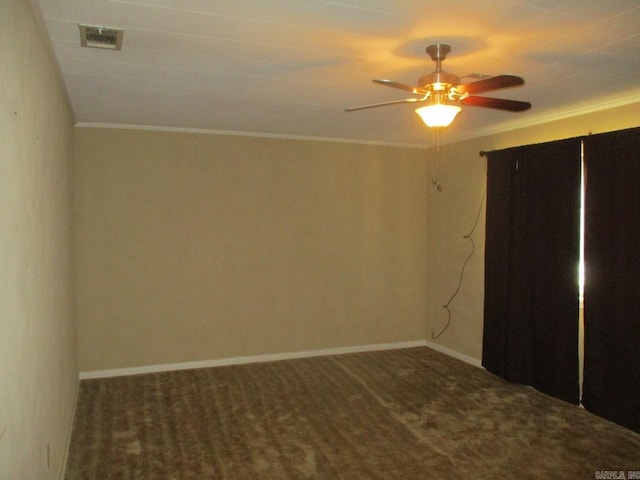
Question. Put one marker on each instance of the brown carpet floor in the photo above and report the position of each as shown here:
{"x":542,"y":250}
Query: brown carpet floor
{"x":399,"y":414}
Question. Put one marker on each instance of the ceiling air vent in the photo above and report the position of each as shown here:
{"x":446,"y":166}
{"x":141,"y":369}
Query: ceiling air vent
{"x":101,"y":37}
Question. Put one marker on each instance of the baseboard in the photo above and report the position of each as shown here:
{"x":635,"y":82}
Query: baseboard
{"x":452,"y":353}
{"x":67,"y":446}
{"x":119,"y":372}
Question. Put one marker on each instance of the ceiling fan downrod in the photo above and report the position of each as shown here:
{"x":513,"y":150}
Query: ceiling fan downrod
{"x":438,"y":80}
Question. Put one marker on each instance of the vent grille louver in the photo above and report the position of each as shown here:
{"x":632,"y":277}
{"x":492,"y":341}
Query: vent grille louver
{"x":101,"y":37}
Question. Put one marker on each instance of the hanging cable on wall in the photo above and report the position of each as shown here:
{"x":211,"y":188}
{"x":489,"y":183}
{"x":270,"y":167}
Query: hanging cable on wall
{"x":469,"y":237}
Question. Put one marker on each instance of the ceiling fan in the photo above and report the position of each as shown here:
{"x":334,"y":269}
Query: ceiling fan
{"x":443,"y":92}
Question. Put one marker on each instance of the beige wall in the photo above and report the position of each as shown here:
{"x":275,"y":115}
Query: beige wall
{"x":451,"y":214}
{"x":196,"y":247}
{"x":38,"y":375}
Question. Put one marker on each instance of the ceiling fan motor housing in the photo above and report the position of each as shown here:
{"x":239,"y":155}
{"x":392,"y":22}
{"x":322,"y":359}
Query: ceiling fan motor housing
{"x":438,"y":80}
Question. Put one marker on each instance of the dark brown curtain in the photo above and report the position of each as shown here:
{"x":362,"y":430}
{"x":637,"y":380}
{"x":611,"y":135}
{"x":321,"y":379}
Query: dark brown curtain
{"x":531,"y":266}
{"x":612,"y":285}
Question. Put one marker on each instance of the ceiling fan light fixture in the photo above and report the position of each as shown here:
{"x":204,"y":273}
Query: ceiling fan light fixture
{"x":442,"y":90}
{"x":438,"y":114}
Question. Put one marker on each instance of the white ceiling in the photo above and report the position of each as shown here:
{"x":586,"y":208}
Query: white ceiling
{"x":291,"y":67}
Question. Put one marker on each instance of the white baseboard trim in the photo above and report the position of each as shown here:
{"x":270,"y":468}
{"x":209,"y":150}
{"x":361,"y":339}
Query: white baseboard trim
{"x":120,"y":372}
{"x":452,"y":353}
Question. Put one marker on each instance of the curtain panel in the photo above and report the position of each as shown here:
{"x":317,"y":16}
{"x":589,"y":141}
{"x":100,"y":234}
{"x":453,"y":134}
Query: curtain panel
{"x":611,"y":386}
{"x":531,"y":266}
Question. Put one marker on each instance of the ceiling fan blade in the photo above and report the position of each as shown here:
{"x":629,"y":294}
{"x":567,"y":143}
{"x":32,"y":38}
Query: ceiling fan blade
{"x":383,"y":104}
{"x":402,"y":86}
{"x":499,"y":103}
{"x":491,"y":83}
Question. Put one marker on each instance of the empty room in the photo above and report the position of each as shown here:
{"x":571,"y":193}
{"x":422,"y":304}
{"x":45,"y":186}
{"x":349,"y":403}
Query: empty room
{"x":314,"y":239}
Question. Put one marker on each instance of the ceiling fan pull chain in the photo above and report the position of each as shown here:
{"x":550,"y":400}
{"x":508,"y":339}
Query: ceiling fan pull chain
{"x":436,"y":161}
